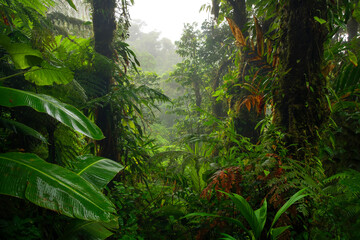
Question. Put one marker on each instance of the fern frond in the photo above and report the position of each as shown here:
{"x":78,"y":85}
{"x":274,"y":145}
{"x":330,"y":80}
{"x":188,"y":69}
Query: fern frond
{"x":68,"y":145}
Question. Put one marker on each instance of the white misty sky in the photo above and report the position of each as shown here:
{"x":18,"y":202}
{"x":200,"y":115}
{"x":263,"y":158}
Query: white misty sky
{"x":168,"y":16}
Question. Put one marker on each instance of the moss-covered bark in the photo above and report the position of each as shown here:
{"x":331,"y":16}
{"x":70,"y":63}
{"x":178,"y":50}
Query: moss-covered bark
{"x":299,"y":95}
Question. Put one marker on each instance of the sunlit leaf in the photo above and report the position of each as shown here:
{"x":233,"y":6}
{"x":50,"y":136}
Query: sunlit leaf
{"x":20,"y":52}
{"x":96,"y":170}
{"x":48,"y":75}
{"x":319,"y":20}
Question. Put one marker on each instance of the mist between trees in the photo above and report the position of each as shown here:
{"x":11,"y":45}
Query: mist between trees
{"x":247,"y":127}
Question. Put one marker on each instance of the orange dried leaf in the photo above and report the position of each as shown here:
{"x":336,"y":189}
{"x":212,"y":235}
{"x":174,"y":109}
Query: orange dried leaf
{"x":259,"y":38}
{"x":248,"y":104}
{"x":236,"y":32}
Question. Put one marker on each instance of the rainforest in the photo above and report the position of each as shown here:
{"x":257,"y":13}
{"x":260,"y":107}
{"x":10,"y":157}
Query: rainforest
{"x":247,"y":127}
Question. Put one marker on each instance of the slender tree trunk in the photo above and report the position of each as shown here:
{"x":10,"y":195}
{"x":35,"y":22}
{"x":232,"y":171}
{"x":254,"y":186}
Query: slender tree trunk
{"x":299,"y":96}
{"x":104,"y":26}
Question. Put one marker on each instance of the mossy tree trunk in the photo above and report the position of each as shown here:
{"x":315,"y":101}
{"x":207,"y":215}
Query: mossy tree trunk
{"x":299,"y":95}
{"x":104,"y":26}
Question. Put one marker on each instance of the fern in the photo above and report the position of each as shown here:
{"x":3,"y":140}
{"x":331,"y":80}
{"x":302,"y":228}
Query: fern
{"x":346,"y":182}
{"x":68,"y":145}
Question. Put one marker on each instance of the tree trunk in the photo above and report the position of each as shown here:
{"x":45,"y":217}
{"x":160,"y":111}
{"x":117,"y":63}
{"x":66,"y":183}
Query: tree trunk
{"x":239,"y":16}
{"x":244,"y":120}
{"x":299,"y":95}
{"x":104,"y":26}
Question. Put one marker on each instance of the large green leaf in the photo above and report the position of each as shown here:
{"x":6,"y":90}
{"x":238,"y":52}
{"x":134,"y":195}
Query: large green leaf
{"x":89,"y":230}
{"x":48,"y":75}
{"x":27,"y":176}
{"x":97,"y":170}
{"x":67,"y":114}
{"x":19,"y":127}
{"x":20,"y":53}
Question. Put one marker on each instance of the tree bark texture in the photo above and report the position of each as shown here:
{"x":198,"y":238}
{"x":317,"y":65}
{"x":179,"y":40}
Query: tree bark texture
{"x":239,"y":16}
{"x":104,"y":26}
{"x":299,"y":95}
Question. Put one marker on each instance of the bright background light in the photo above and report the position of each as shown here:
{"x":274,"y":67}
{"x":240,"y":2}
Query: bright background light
{"x":168,"y":16}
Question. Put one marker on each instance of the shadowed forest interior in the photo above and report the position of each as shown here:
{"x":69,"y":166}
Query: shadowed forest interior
{"x":247,"y":127}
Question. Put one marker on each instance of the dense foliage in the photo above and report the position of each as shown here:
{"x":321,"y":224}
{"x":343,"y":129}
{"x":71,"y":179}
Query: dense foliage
{"x":246,"y":128}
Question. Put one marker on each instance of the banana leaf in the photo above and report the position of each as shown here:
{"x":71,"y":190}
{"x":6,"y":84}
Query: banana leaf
{"x":79,"y":229}
{"x":19,"y":127}
{"x":67,"y":114}
{"x":97,"y":170}
{"x":25,"y":175}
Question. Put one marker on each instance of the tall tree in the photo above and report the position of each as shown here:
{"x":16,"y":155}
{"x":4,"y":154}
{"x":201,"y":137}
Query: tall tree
{"x":299,"y":94}
{"x":244,"y":119}
{"x":104,"y":26}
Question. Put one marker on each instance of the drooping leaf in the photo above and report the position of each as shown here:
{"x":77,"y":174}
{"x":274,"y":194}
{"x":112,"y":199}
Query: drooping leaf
{"x":259,"y":38}
{"x":236,"y":32}
{"x":294,"y":198}
{"x":27,"y":176}
{"x":19,"y":127}
{"x":48,"y":75}
{"x":67,"y":114}
{"x":88,"y":230}
{"x":97,"y":170}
